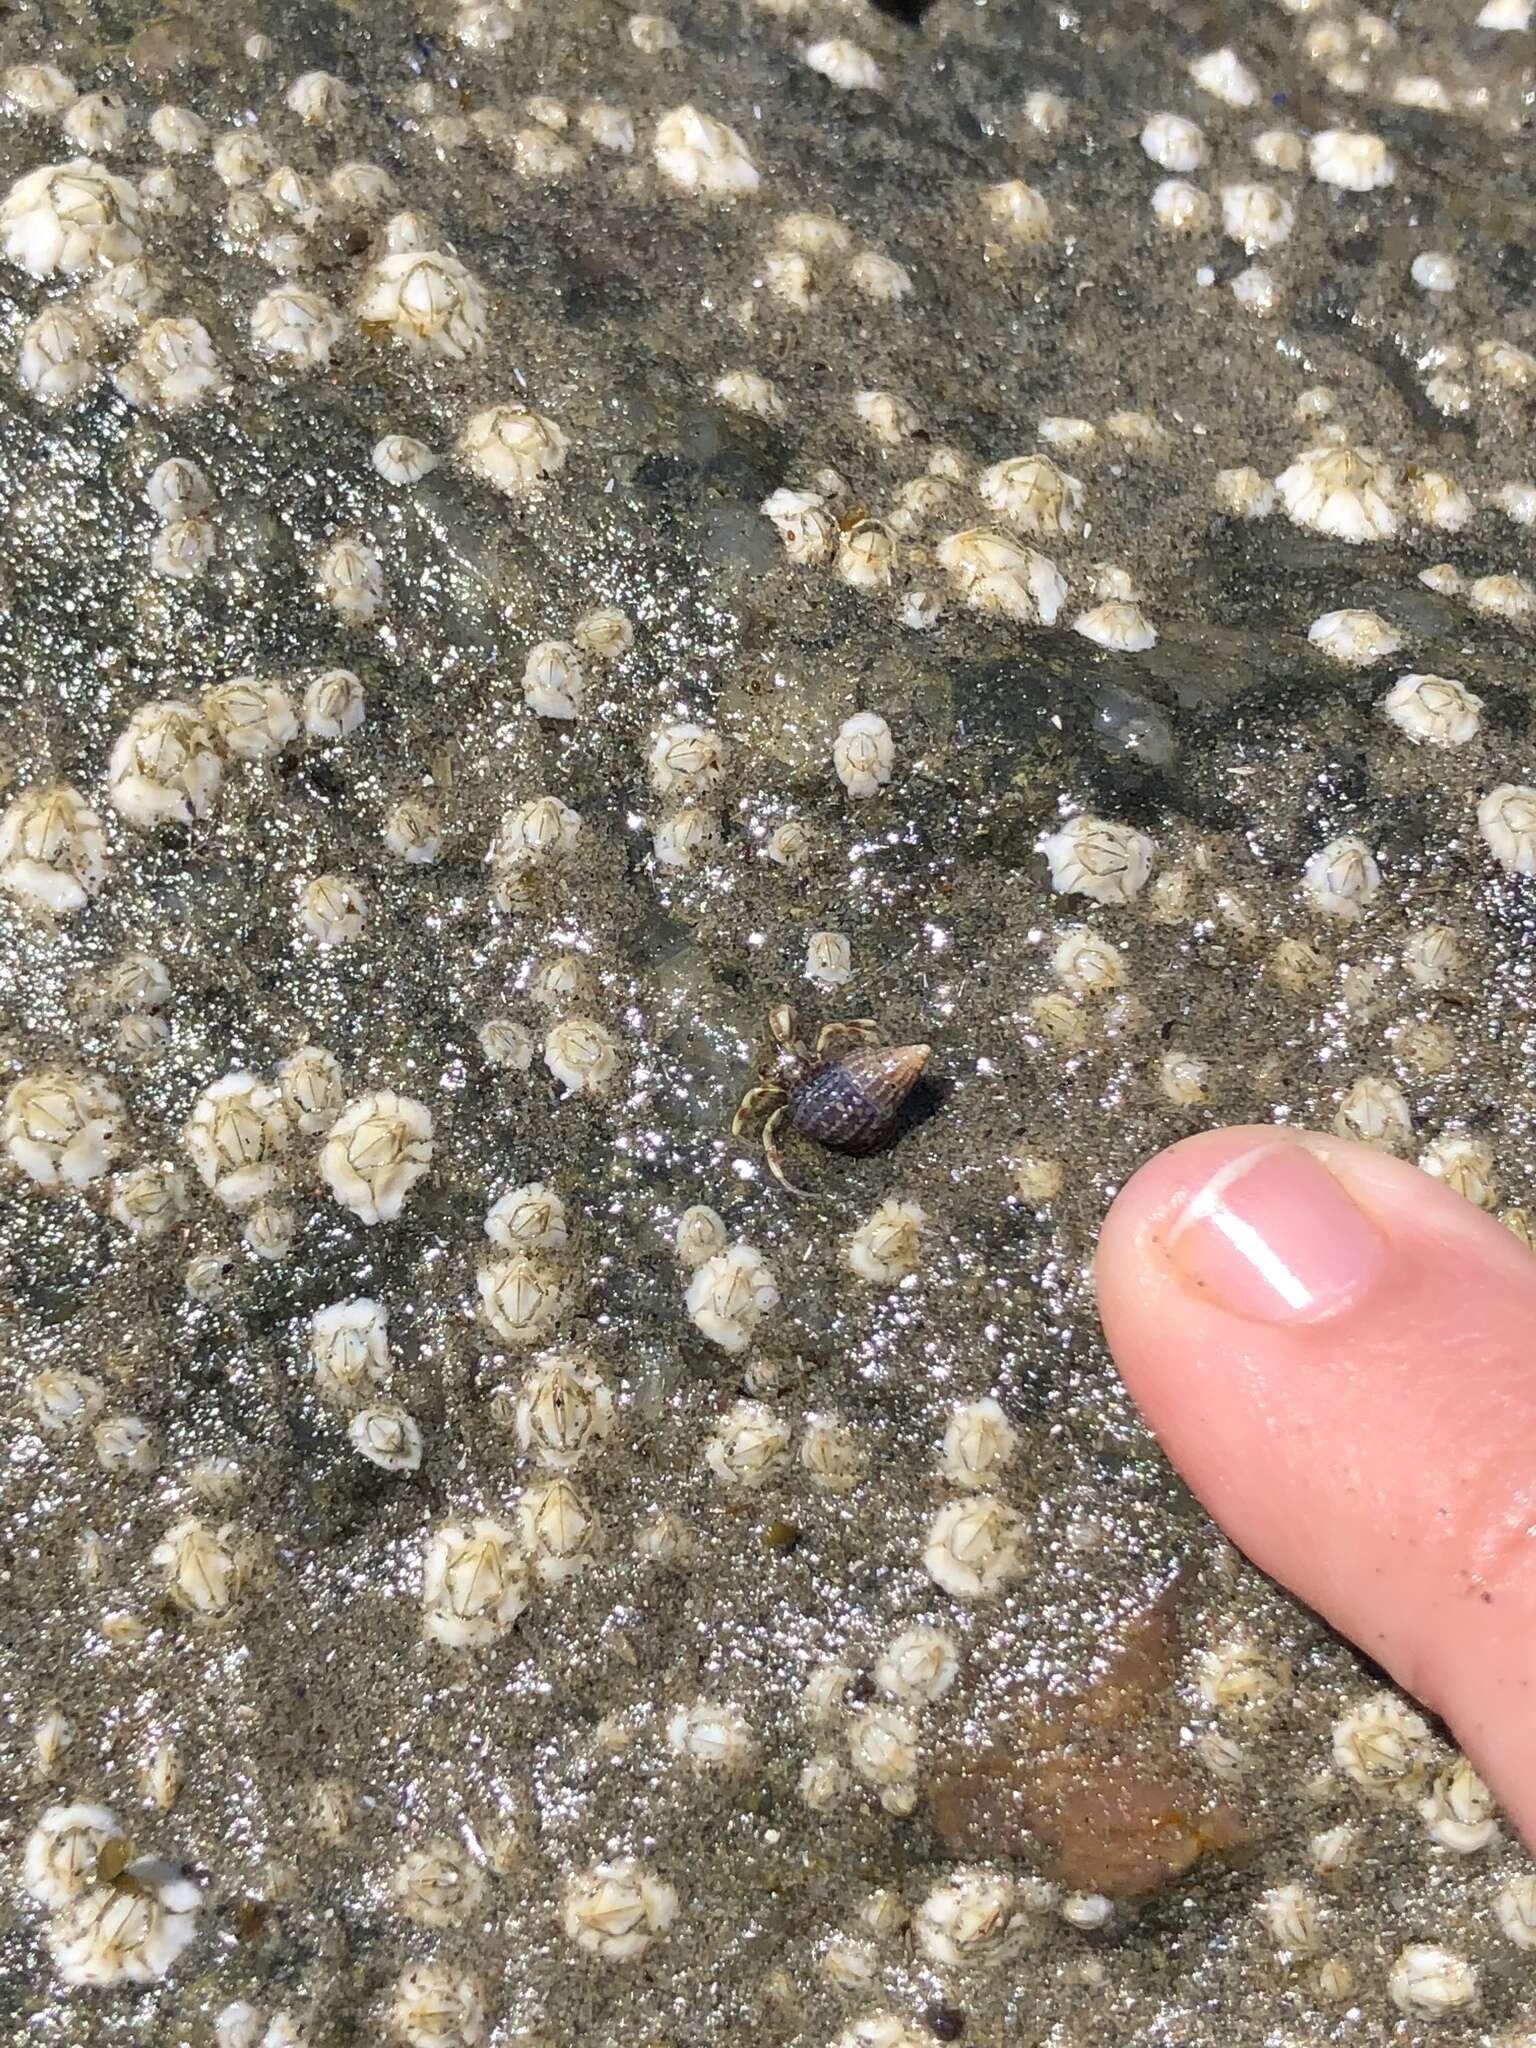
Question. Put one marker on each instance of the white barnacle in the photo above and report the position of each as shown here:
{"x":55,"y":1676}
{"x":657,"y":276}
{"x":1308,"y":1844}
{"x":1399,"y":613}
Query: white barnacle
{"x":53,"y":850}
{"x":1096,"y":858}
{"x":69,"y":218}
{"x":295,"y":326}
{"x":428,"y":301}
{"x":564,"y":1412}
{"x":1464,"y":1163}
{"x":149,"y":1201}
{"x":438,"y":1886}
{"x":1224,"y":75}
{"x":413,"y":832}
{"x":749,"y":392}
{"x":604,"y":634}
{"x":712,"y":1736}
{"x":845,"y":64}
{"x":1257,"y":289}
{"x":553,"y":682}
{"x":890,"y":418}
{"x":1351,"y":159}
{"x":349,"y":1351}
{"x":979,"y":1444}
{"x":831,"y":1456}
{"x":974,"y":1547}
{"x":884,"y":1753}
{"x":1458,"y":1811}
{"x":178,"y":489}
{"x":61,"y":1129}
{"x":885,"y":1248}
{"x":1517,"y":501}
{"x":1087,"y":964}
{"x":809,"y":532}
{"x":172,"y":367}
{"x":995,"y":574}
{"x":309,"y":1082}
{"x":562,"y":982}
{"x":513,"y":448}
{"x":387,"y":1436}
{"x":62,"y":1401}
{"x":1348,"y":493}
{"x":40,"y":89}
{"x":473,"y":1585}
{"x":436,"y":2005}
{"x":685,"y":761}
{"x":582,"y":1055}
{"x":1179,"y":207}
{"x":1514,"y":1907}
{"x":319,"y":98}
{"x":918,"y":1666}
{"x":252,"y":717}
{"x":125,"y":1447}
{"x":749,"y":1447}
{"x":703,"y":155}
{"x":700,"y":1235}
{"x":1432,"y":956}
{"x":204,"y":1569}
{"x":684,"y":836}
{"x":350,"y":576}
{"x":1291,"y":1917}
{"x":522,"y":1298}
{"x":879,"y":278}
{"x":1436,"y":709}
{"x":1506,"y":822}
{"x":1256,"y":216}
{"x":1382,"y":1745}
{"x":377,"y":1150}
{"x":864,"y":754}
{"x":1375,"y":1111}
{"x":60,"y":355}
{"x":866,"y":555}
{"x":1342,"y":878}
{"x":1503,"y":363}
{"x":1174,"y":143}
{"x":974,"y":1915}
{"x":332,"y":911}
{"x":64,"y":1851}
{"x":1184,"y":1078}
{"x":1018,"y":212}
{"x":559,"y":1530}
{"x":402,"y":459}
{"x":1031,"y":492}
{"x":1354,"y":637}
{"x":1433,"y":270}
{"x":242,"y":156}
{"x":608,"y":126}
{"x":178,"y":131}
{"x":616,"y":1911}
{"x":127,"y":1931}
{"x":1430,"y":1983}
{"x":828,"y":960}
{"x":1118,"y":624}
{"x":1503,"y":597}
{"x":729,"y":1295}
{"x":333,"y":705}
{"x":530,"y":1218}
{"x":182,"y":549}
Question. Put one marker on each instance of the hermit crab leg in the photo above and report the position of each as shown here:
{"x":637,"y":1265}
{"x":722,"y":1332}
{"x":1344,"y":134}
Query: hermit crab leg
{"x":753,"y":1102}
{"x":774,"y":1156}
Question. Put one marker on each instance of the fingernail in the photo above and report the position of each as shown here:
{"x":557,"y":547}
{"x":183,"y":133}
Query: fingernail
{"x":1272,"y":1235}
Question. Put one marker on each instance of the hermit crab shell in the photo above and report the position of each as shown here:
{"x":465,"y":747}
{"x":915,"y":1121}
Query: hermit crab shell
{"x":851,"y":1104}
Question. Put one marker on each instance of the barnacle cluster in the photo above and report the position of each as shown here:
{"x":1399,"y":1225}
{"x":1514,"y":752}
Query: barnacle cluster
{"x":537,"y":535}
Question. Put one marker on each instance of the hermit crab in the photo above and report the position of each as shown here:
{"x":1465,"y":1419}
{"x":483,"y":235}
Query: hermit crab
{"x":846,"y":1094}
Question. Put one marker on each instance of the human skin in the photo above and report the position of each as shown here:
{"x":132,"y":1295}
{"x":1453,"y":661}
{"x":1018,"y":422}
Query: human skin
{"x":1338,"y":1353}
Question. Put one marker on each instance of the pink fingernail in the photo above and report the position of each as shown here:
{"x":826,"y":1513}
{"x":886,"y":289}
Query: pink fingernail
{"x":1273,"y":1235}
